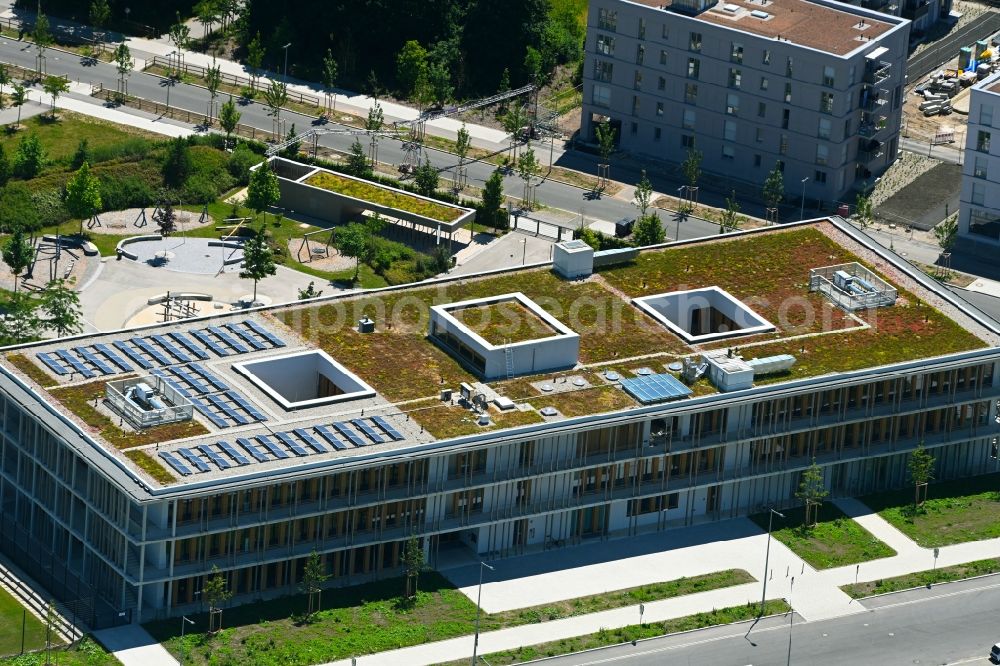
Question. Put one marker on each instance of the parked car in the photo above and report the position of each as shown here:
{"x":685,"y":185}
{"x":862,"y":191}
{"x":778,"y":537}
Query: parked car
{"x":995,"y":653}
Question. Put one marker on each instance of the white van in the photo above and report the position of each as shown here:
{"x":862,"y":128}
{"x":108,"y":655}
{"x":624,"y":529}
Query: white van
{"x":995,"y":653}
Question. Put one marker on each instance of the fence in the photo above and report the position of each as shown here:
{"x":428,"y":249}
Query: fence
{"x":27,"y":74}
{"x":871,"y":291}
{"x":236,"y":81}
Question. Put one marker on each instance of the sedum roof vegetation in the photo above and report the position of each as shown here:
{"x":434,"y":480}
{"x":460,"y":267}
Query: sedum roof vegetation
{"x":506,"y":322}
{"x":384,"y":196}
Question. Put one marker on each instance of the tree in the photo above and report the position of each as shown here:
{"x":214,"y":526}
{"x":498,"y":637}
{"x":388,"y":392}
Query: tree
{"x":330,"y":77}
{"x":276,"y":96}
{"x":411,"y":65}
{"x":643,"y":194}
{"x":43,"y":39}
{"x":292,"y":149}
{"x":18,"y":98}
{"x":6,"y":169}
{"x":313,"y":574}
{"x":374,"y":87}
{"x":527,"y":167}
{"x":812,"y":490}
{"x":81,"y":155}
{"x":19,"y":320}
{"x":29,"y":158}
{"x":216,"y":592}
{"x":492,"y":213}
{"x":425,"y":177}
{"x":18,"y":253}
{"x":439,"y":83}
{"x":605,"y":135}
{"x":357,"y":162}
{"x":263,"y":191}
{"x":255,"y":58}
{"x":863,"y":210}
{"x":692,"y":173}
{"x":946,"y":233}
{"x":207,"y":13}
{"x":83,"y":195}
{"x":921,"y":469}
{"x":310,"y":292}
{"x":513,"y":121}
{"x":413,"y":564}
{"x":730,"y":220}
{"x":503,"y":88}
{"x":18,"y":208}
{"x":100,"y":13}
{"x":60,"y":306}
{"x":774,"y":189}
{"x":124,"y":63}
{"x":373,"y":125}
{"x":258,"y":259}
{"x":166,"y":219}
{"x":354,"y":242}
{"x":213,"y":79}
{"x":4,"y":81}
{"x":649,"y":230}
{"x":177,"y":165}
{"x":179,"y":34}
{"x":55,"y":86}
{"x":229,"y":117}
{"x":462,"y":144}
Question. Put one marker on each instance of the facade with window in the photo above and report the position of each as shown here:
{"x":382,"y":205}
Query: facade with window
{"x":979,"y":212}
{"x":803,"y":98}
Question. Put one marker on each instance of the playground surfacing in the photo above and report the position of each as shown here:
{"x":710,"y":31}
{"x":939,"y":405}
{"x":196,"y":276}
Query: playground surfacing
{"x":130,"y":222}
{"x":187,"y":255}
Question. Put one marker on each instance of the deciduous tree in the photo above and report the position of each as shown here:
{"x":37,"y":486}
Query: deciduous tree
{"x":354,"y":242}
{"x":18,"y":253}
{"x":55,"y":86}
{"x":425,"y":177}
{"x":215,"y":592}
{"x":812,"y":490}
{"x":229,"y":117}
{"x":492,"y":212}
{"x":731,"y":220}
{"x":124,"y":63}
{"x":313,"y":574}
{"x":263,"y":190}
{"x":774,"y":189}
{"x":30,"y":157}
{"x":83,"y":195}
{"x":330,"y":77}
{"x":411,"y":65}
{"x":413,"y":563}
{"x":921,"y":469}
{"x":17,"y":98}
{"x":60,"y":309}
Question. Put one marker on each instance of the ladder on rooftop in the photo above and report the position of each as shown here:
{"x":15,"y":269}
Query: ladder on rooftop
{"x":509,"y":355}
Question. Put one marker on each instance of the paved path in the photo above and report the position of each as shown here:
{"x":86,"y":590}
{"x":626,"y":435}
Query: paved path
{"x":133,"y":646}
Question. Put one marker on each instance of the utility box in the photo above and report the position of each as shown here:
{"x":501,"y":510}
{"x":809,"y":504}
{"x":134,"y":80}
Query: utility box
{"x":573,"y":259}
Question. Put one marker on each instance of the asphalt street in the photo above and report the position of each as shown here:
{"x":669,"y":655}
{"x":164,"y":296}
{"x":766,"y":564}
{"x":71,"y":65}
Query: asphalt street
{"x":947,"y":624}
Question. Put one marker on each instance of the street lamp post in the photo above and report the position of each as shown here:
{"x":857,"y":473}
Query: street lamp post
{"x":286,"y":60}
{"x":767,"y":554}
{"x":791,"y":620}
{"x":524,"y":250}
{"x":802,"y":208}
{"x":479,"y":610}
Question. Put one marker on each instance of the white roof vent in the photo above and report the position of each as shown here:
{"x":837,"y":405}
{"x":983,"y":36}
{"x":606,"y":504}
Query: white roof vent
{"x":763,"y":16}
{"x":731,"y":8}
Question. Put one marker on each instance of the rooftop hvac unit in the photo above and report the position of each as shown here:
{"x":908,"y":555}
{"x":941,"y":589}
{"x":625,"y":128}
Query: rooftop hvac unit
{"x":771,"y":364}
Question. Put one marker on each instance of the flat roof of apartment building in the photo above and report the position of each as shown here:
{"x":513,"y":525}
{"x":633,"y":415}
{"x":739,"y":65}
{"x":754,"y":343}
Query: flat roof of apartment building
{"x":340,"y":380}
{"x":836,"y":30}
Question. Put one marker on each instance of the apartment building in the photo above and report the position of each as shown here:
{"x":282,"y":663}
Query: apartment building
{"x":132,"y":462}
{"x":979,"y":212}
{"x":812,"y":86}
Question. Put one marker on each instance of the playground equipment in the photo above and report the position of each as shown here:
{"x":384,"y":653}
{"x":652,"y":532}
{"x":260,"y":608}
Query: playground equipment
{"x":178,"y":305}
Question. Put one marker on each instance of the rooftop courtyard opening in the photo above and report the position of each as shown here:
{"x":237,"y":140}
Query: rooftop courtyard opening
{"x":703,"y":315}
{"x":306,"y":379}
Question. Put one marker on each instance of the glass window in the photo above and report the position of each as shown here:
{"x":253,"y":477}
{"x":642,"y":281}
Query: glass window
{"x":663,"y":57}
{"x":763,"y":83}
{"x":756,"y":160}
{"x":780,"y":166}
{"x":691,"y":93}
{"x":637,"y":80}
{"x":661,"y":84}
{"x":820,"y":177}
{"x":729,"y":130}
{"x":825,"y":127}
{"x":635,"y":105}
{"x":659,"y":108}
{"x":981,"y":169}
{"x":783,"y":144}
{"x":986,"y":115}
{"x":607,"y":19}
{"x":732,"y":104}
{"x":603,"y":70}
{"x":761,"y":109}
{"x":689,"y":118}
{"x":735,"y":78}
{"x":828,"y":76}
{"x":687,"y":141}
{"x":728,"y":153}
{"x":760,"y":134}
{"x":736,"y":52}
{"x":657,"y":133}
{"x":788,"y":92}
{"x":822,"y":154}
{"x":634,"y":128}
{"x":786,"y":115}
{"x":606,"y":45}
{"x":978,"y":194}
{"x":602,"y":95}
{"x":694,"y":42}
{"x":983,"y":141}
{"x":640,"y":54}
{"x":666,"y":31}
{"x":694,"y":66}
{"x":766,"y":58}
{"x":642,"y":28}
{"x":788,"y":67}
{"x":826,"y":102}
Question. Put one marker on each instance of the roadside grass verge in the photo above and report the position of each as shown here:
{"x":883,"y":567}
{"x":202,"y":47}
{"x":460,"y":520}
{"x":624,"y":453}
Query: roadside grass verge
{"x":606,"y":637}
{"x":11,"y":614}
{"x":836,"y":540}
{"x":85,"y":653}
{"x":921,"y":578}
{"x":372,"y":617}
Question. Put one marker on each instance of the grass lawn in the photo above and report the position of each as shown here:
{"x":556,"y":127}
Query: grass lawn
{"x":85,"y":653}
{"x":60,"y":138}
{"x":504,"y":322}
{"x":371,"y":618}
{"x":149,"y":465}
{"x":381,"y":195}
{"x":836,"y":540}
{"x":955,"y":511}
{"x":79,"y":399}
{"x":28,"y":367}
{"x":630,"y":633}
{"x":11,"y":612}
{"x":920,"y":578}
{"x":770,"y":271}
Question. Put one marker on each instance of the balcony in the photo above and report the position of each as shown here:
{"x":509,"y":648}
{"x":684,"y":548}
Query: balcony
{"x":871,"y":125}
{"x":873,"y":98}
{"x":870,"y":149}
{"x":877,"y":72}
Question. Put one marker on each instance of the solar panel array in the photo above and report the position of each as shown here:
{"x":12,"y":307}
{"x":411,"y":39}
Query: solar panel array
{"x":649,"y":389}
{"x":159,"y":350}
{"x":299,"y":442}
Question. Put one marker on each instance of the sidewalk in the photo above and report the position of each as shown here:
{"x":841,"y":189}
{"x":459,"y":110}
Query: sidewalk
{"x":133,"y":646}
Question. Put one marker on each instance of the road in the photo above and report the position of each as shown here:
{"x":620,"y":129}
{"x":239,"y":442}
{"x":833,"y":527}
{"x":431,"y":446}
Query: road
{"x":945,"y":49}
{"x":947,"y":624}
